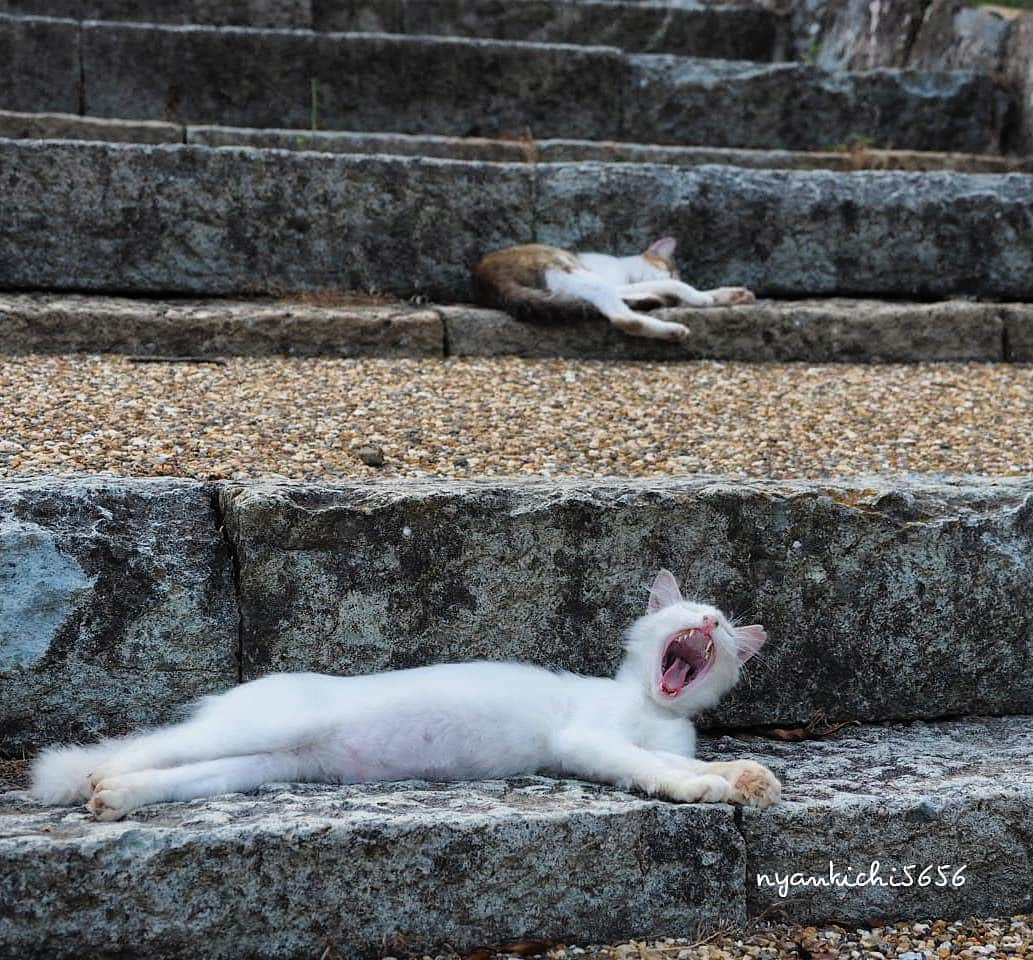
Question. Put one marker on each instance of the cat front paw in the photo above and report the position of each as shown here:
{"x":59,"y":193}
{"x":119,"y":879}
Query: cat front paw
{"x":753,"y":784}
{"x":732,"y":296}
{"x":704,"y":788}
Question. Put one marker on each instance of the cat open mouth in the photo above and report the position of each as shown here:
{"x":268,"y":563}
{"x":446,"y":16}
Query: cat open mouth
{"x":687,"y":657}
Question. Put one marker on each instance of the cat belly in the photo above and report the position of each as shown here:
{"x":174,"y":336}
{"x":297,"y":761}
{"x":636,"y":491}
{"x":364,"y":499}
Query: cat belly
{"x":450,"y":722}
{"x":447,"y":742}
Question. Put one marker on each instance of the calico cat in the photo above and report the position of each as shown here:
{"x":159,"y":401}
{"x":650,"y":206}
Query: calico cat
{"x":534,"y":281}
{"x":458,"y":721}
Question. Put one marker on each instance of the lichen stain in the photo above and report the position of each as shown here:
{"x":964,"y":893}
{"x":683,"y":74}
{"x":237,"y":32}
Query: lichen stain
{"x":40,"y":587}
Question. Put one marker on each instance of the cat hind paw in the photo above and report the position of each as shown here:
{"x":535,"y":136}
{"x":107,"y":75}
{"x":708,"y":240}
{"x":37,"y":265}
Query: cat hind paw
{"x":110,"y":802}
{"x":732,"y":296}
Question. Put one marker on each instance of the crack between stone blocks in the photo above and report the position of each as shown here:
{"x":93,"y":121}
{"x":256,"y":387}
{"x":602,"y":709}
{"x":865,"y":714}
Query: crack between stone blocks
{"x":231,"y":550}
{"x":737,"y":819}
{"x":534,"y":202}
{"x":80,"y":43}
{"x":446,"y":350}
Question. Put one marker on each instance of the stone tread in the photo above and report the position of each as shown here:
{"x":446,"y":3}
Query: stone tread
{"x":815,"y":331}
{"x":66,"y":126}
{"x":468,"y":864}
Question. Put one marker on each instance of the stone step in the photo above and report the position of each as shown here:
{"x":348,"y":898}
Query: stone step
{"x":812,"y":331}
{"x":884,"y":599}
{"x":202,"y":221}
{"x":410,"y":84}
{"x":734,"y":32}
{"x":66,"y":126}
{"x":941,"y":810}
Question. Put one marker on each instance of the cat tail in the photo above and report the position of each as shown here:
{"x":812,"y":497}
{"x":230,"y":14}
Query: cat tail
{"x":528,"y":303}
{"x":62,"y":774}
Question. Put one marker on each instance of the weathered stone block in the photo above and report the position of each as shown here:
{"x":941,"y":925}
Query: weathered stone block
{"x":195,"y":220}
{"x":607,"y":151}
{"x":942,"y":809}
{"x":884,"y":599}
{"x":741,"y":33}
{"x":1018,"y":324}
{"x":1018,"y":71}
{"x":349,"y":81}
{"x":297,"y":870}
{"x":67,"y":126}
{"x":814,"y":331}
{"x":39,"y":64}
{"x":31,"y":323}
{"x":801,"y":233}
{"x":116,"y":606}
{"x":219,"y":13}
{"x":800,"y":107}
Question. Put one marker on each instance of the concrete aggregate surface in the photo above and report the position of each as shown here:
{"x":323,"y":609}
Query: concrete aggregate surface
{"x":319,"y":419}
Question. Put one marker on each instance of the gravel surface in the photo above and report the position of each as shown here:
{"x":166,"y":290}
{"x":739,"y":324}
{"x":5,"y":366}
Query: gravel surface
{"x":931,"y":940}
{"x":507,"y":417}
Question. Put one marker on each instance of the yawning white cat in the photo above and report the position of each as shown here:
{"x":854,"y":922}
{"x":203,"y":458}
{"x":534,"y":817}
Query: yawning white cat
{"x":460,"y":721}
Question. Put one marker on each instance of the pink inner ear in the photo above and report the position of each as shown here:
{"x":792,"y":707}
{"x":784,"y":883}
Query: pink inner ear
{"x":751,"y":639}
{"x":664,"y":247}
{"x":664,"y":591}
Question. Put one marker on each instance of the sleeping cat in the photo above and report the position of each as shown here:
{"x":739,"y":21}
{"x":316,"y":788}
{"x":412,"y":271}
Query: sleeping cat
{"x":534,"y":280}
{"x":458,"y":721}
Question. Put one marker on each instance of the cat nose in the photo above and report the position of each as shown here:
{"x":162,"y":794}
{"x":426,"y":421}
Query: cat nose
{"x":709,"y":623}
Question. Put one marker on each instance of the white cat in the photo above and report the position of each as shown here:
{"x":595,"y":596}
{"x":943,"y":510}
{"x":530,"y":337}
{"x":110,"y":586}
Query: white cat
{"x":460,"y":721}
{"x":535,"y":281}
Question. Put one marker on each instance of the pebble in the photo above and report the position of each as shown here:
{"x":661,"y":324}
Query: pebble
{"x":312,"y":419}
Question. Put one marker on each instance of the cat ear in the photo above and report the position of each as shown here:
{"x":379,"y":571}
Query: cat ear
{"x":751,"y":639}
{"x":663,"y":248}
{"x":663,"y":592}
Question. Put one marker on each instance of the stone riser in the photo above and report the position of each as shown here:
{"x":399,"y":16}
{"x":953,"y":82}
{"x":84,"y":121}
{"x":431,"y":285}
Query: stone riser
{"x":811,"y":331}
{"x":183,"y":219}
{"x":267,"y":78}
{"x":370,"y":869}
{"x":132,"y":596}
{"x":733,"y":32}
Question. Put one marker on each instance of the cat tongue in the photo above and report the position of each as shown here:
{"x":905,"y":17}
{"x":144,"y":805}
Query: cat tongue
{"x":676,"y":677}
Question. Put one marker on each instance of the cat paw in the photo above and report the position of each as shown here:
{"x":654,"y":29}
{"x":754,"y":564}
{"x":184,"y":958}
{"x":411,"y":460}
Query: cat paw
{"x":674,"y":333}
{"x":753,"y":784}
{"x":110,"y":801}
{"x":705,"y":788}
{"x":732,"y":296}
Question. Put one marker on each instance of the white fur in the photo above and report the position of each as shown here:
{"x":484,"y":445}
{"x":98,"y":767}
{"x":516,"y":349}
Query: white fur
{"x":461,"y":721}
{"x":607,"y":282}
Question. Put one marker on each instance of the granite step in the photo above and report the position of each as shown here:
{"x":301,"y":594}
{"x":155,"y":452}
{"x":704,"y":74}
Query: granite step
{"x":18,"y":125}
{"x":708,"y":30}
{"x":410,"y":84}
{"x":183,"y":219}
{"x":342,"y":325}
{"x":902,"y":598}
{"x":895,"y":821}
